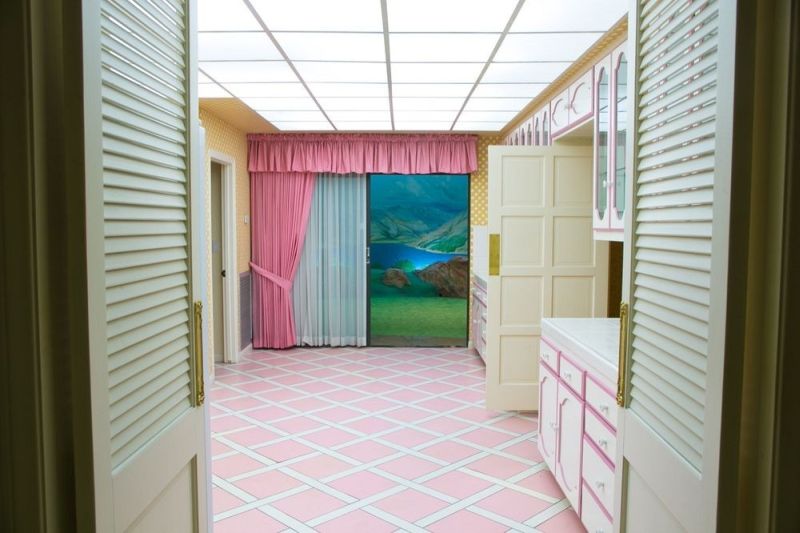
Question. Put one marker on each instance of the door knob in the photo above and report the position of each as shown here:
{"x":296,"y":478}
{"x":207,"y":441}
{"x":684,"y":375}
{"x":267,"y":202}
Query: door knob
{"x":223,"y":273}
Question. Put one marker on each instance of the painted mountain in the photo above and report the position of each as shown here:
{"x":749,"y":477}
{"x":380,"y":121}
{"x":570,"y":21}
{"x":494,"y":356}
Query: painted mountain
{"x":429,"y":229}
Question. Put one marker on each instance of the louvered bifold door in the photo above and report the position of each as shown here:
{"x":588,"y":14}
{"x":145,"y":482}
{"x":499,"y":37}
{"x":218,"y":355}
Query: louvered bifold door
{"x":670,"y":429}
{"x":148,"y":125}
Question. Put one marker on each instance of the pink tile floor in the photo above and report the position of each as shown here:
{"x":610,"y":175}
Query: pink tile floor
{"x":373,"y":440}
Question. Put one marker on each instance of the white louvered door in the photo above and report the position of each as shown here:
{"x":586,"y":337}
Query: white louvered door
{"x":676,"y":265}
{"x":142,"y":146}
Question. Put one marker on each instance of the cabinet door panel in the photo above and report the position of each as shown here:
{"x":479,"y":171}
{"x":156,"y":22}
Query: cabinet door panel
{"x":580,"y":99}
{"x":548,"y":419}
{"x":569,"y":446}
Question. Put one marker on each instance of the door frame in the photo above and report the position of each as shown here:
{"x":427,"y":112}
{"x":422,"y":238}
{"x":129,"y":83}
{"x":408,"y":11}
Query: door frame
{"x":230,"y":295}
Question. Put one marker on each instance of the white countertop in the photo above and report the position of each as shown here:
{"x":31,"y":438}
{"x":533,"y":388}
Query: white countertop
{"x":593,"y":340}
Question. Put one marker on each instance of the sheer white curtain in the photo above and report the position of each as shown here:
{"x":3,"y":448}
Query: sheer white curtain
{"x":330,"y":287}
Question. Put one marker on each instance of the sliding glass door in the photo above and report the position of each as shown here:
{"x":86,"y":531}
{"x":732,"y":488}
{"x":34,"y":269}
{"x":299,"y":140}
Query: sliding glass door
{"x":419,"y":259}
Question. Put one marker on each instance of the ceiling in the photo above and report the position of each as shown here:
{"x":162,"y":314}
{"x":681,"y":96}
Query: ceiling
{"x":392,"y":65}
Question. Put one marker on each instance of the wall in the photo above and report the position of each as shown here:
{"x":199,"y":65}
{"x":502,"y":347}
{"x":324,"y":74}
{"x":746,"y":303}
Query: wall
{"x":223,"y":138}
{"x":479,"y":181}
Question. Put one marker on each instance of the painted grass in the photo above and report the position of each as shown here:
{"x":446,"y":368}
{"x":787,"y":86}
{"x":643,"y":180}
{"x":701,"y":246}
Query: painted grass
{"x":418,"y":317}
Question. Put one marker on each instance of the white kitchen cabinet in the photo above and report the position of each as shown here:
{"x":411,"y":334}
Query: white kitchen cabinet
{"x":568,"y":448}
{"x":548,"y":420}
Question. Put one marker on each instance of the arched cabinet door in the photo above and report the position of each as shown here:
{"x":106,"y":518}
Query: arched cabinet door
{"x":619,"y":180}
{"x":560,"y":113}
{"x":581,"y":103}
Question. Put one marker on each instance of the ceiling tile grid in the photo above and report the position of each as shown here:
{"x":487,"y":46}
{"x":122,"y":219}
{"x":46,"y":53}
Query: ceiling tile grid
{"x":383,"y":65}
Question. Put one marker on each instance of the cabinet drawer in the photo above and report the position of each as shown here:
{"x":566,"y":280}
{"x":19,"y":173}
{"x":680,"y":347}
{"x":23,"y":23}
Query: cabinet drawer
{"x":598,"y":475}
{"x":548,"y":354}
{"x":602,"y":402}
{"x":571,"y":374}
{"x":602,"y":437}
{"x":592,"y":515}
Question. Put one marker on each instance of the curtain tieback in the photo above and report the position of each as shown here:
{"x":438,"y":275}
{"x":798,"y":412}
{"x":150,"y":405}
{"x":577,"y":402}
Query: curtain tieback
{"x":273,"y":277}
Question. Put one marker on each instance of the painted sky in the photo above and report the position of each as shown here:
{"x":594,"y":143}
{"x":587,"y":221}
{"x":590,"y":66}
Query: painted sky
{"x":442,"y":191}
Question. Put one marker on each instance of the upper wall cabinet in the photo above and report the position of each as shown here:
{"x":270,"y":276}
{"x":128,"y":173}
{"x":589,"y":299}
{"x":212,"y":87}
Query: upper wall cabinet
{"x":610,"y":172}
{"x":580,"y":99}
{"x":559,"y":121}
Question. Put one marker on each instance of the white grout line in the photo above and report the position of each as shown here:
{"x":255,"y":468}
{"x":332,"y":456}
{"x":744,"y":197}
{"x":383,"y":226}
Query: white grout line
{"x":548,"y":513}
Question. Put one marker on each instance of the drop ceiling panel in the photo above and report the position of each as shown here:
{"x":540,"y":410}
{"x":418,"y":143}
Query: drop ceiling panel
{"x":354,"y":104}
{"x":278,"y":104}
{"x":211,"y":90}
{"x":524,"y":72}
{"x":348,"y":89}
{"x":435,"y":72}
{"x":545,"y":46}
{"x":320,"y":15}
{"x":360,"y":116}
{"x":496,"y":104}
{"x":479,"y":126}
{"x":422,"y":125}
{"x":300,"y":125}
{"x":225,"y":15}
{"x":293,"y":116}
{"x":569,"y":15}
{"x":449,"y":15}
{"x":266,"y":90}
{"x":248,"y":71}
{"x":426,"y":47}
{"x":487,"y":116}
{"x":522,"y":90}
{"x":322,"y":71}
{"x":332,"y":46}
{"x":431,"y":89}
{"x":363,"y":126}
{"x":228,"y":46}
{"x":424,"y":103}
{"x":425,"y":116}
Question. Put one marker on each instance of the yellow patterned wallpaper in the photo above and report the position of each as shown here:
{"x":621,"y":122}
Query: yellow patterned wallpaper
{"x":479,"y":192}
{"x":223,"y":138}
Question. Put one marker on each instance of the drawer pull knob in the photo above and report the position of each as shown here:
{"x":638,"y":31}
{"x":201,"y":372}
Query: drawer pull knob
{"x":604,"y":409}
{"x":600,"y":485}
{"x":603,"y":443}
{"x":568,"y":376}
{"x":553,"y":426}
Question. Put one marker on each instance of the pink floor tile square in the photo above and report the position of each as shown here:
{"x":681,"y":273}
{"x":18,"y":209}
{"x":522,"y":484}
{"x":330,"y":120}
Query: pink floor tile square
{"x":222,"y":500}
{"x":405,"y":395}
{"x":255,"y":386}
{"x":348,"y":380}
{"x":308,"y":505}
{"x":321,"y":466}
{"x":284,"y":450}
{"x":526,"y":449}
{"x":458,"y":484}
{"x":371,"y":425}
{"x":467,"y":395}
{"x":330,"y":437}
{"x":543,"y":482}
{"x":405,"y":380}
{"x":486,"y":437}
{"x":227,"y":423}
{"x":409,"y":467}
{"x":342,"y":395}
{"x":280,"y":395}
{"x":477,"y":414}
{"x":518,"y":425}
{"x":218,"y":448}
{"x":410,"y":505}
{"x":323,"y":373}
{"x":376,"y":387}
{"x":357,"y":521}
{"x":309,"y":403}
{"x":439,"y":405}
{"x":337,"y":414}
{"x":270,"y":373}
{"x":362,"y":484}
{"x":497,"y":466}
{"x":234,"y":465}
{"x":435,"y":387}
{"x":377,"y":373}
{"x":297,"y":424}
{"x":251,"y":436}
{"x":433,"y":373}
{"x":366,"y":451}
{"x":231,"y":379}
{"x":222,"y":393}
{"x":514,"y":505}
{"x":407,"y":414}
{"x":564,"y":522}
{"x":315,"y":387}
{"x":290,"y":379}
{"x":267,"y":484}
{"x":374,"y":405}
{"x":410,"y":438}
{"x":465,"y":521}
{"x":266,"y":414}
{"x":444,"y":425}
{"x":253,"y":520}
{"x":450,"y":451}
{"x":215,"y":411}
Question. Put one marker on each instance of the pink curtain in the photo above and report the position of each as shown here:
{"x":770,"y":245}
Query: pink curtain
{"x":280,"y":204}
{"x":363,"y":153}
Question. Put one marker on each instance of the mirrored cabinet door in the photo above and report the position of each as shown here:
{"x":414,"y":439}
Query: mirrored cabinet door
{"x":619,"y":159}
{"x":602,"y":139}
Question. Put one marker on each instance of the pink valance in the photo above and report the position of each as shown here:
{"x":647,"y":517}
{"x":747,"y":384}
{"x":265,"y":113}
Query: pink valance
{"x":363,"y":153}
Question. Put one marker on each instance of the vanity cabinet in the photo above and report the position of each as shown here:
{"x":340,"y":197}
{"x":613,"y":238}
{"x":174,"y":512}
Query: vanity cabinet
{"x":577,"y":414}
{"x":478,"y":316}
{"x":610,"y":172}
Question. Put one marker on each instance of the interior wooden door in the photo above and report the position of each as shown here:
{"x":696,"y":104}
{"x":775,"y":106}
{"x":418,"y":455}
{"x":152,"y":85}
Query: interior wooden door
{"x":142,"y":147}
{"x":543,"y":261}
{"x":677,"y":247}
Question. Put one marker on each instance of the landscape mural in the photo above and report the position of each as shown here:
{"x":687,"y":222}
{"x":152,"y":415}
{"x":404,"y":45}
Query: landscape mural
{"x":419,"y":259}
